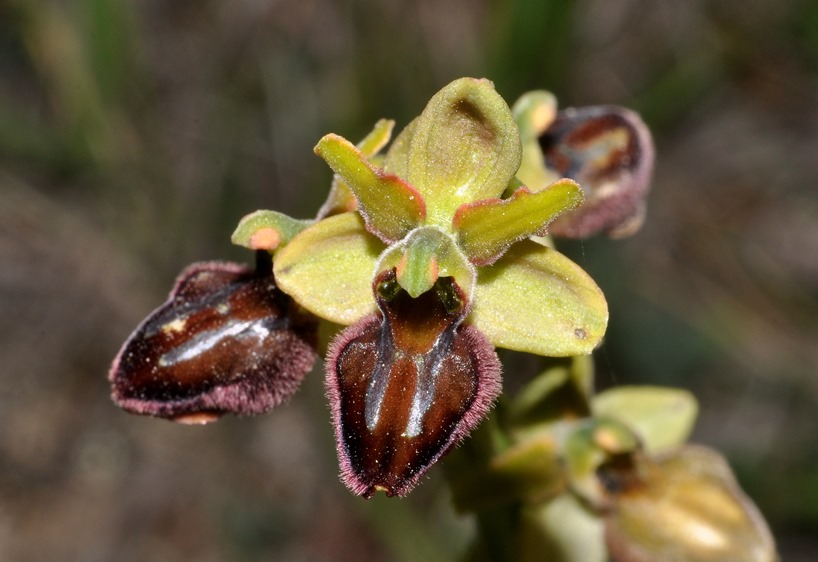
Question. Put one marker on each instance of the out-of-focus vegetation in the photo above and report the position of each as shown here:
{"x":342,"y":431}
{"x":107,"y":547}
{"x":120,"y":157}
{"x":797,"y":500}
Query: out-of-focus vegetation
{"x":133,"y":136}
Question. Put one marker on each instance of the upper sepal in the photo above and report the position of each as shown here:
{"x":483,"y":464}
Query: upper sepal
{"x":464,"y":147}
{"x":407,"y":384}
{"x":662,"y":417}
{"x":226,"y":341}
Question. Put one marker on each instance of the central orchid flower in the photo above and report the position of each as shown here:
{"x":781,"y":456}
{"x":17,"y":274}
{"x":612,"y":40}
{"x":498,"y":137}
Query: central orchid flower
{"x":433,"y":269}
{"x":432,"y":255}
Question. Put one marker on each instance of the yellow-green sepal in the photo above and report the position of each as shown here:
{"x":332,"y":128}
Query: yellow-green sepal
{"x":485,"y":229}
{"x":536,"y":300}
{"x":390,"y":206}
{"x":328,"y":268}
{"x":662,"y":417}
{"x":463,"y":147}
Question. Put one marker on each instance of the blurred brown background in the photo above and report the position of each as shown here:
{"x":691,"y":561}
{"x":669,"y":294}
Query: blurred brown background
{"x":133,"y":136}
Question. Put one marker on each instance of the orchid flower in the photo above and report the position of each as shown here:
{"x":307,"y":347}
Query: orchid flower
{"x":431,"y":254}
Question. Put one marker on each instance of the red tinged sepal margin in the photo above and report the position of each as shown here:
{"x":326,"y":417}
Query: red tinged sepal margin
{"x":226,"y":341}
{"x":406,"y":384}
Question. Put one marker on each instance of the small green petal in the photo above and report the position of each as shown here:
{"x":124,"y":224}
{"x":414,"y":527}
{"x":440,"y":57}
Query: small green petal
{"x":563,"y":391}
{"x":267,"y":230}
{"x":340,"y":198}
{"x":662,"y":417}
{"x":464,"y":147}
{"x":536,"y":300}
{"x":485,"y":229}
{"x":328,"y":268}
{"x":534,"y":113}
{"x":390,"y":206}
{"x":424,"y":255}
{"x":377,"y":138}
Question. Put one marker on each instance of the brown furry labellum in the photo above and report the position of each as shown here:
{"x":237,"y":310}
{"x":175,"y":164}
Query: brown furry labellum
{"x":609,"y":151}
{"x":226,"y":341}
{"x":406,"y":384}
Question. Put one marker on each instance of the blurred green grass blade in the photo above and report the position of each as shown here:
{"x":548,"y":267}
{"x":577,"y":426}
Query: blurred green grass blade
{"x":109,"y":43}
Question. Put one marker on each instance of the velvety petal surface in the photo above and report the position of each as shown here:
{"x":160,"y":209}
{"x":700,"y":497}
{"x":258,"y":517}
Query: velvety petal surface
{"x":407,"y":384}
{"x":536,"y":300}
{"x":226,"y":341}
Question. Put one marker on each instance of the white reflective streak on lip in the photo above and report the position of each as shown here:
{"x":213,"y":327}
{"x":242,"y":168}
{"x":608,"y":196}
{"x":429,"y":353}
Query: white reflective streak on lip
{"x":209,"y":339}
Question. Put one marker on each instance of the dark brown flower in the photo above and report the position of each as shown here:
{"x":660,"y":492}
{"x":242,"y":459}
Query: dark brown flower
{"x":227,"y":340}
{"x":609,"y":151}
{"x":406,"y":384}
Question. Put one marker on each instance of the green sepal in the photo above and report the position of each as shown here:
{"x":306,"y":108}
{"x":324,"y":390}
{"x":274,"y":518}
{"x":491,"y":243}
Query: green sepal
{"x":486,"y":229}
{"x":328,"y":268}
{"x":267,"y":230}
{"x":662,"y":417}
{"x":424,"y":255}
{"x":390,"y":206}
{"x":464,"y":147}
{"x":340,"y":198}
{"x":536,"y":300}
{"x":534,"y":112}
